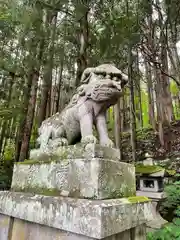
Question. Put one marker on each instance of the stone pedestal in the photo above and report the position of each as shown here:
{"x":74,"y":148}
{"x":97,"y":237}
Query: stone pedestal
{"x":92,"y":177}
{"x":96,"y":219}
{"x":83,"y":194}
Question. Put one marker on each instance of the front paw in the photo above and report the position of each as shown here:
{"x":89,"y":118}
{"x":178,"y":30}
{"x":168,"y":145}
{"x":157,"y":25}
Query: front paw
{"x":107,"y":143}
{"x":89,"y":139}
{"x":58,"y":142}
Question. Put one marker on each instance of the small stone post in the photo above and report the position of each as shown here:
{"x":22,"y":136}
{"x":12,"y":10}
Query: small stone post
{"x":81,"y":193}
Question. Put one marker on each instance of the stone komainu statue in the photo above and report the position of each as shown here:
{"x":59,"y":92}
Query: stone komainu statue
{"x":100,"y":88}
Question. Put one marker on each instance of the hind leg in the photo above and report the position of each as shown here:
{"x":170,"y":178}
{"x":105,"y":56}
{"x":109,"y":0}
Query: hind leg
{"x":58,"y":137}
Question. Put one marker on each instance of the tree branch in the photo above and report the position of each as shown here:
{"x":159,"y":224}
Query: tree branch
{"x":55,"y":8}
{"x":158,"y":66}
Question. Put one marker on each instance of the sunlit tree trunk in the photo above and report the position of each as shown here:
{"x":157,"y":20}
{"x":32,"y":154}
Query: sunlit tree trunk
{"x":117,"y":127}
{"x":132,"y":106}
{"x":59,"y":87}
{"x":45,"y":103}
{"x":151,"y":108}
{"x":7,"y":104}
{"x":29,"y":117}
{"x":138,"y":92}
{"x":83,"y":39}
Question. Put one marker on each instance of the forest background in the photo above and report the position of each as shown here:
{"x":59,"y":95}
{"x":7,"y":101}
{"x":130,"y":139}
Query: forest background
{"x":46,"y":45}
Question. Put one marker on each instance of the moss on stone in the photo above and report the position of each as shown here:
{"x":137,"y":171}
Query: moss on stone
{"x":119,"y":193}
{"x":138,"y":199}
{"x":140,"y":168}
{"x":47,"y":160}
{"x":115,"y":194}
{"x":33,"y":161}
{"x":74,"y":193}
{"x":171,"y":172}
{"x":37,"y":190}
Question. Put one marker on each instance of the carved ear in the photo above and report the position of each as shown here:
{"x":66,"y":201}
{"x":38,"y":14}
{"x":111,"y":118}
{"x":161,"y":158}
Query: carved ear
{"x":86,"y":75}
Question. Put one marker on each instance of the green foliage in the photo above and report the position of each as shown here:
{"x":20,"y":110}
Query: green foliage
{"x":34,"y":135}
{"x":171,"y":206}
{"x":9,"y":152}
{"x":111,"y":119}
{"x":173,"y":198}
{"x":170,"y":231}
{"x":173,"y":88}
{"x":144,"y":133}
{"x":6,"y":166}
{"x":145,"y":107}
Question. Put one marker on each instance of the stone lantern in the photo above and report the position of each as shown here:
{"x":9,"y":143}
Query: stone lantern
{"x":150,"y":182}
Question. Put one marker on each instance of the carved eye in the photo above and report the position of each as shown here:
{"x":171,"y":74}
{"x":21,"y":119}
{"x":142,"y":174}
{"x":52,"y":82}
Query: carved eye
{"x":115,"y":79}
{"x":97,"y":86}
{"x":118,"y":79}
{"x":108,"y":76}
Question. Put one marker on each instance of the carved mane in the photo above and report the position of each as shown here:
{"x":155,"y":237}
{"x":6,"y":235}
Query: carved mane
{"x":87,"y":76}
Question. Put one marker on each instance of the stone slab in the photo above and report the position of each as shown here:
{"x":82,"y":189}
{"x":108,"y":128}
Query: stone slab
{"x":88,"y":151}
{"x":5,"y":227}
{"x":96,"y":219}
{"x":82,"y":178}
{"x":158,"y":174}
{"x":152,"y":195}
{"x":23,"y":230}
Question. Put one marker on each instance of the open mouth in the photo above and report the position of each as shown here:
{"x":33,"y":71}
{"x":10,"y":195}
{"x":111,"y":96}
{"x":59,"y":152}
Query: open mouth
{"x":105,"y":93}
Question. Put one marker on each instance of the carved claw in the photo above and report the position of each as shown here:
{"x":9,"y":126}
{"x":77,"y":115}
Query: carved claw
{"x":89,"y":139}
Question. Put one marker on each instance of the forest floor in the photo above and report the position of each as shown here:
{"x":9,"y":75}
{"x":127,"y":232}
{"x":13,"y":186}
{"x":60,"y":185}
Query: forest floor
{"x":148,"y":142}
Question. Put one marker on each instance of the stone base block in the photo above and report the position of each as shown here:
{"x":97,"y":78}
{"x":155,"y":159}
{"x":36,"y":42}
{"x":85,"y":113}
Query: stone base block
{"x":90,"y":177}
{"x":73,"y":219}
{"x":5,"y":227}
{"x":87,"y":151}
{"x":24,"y":230}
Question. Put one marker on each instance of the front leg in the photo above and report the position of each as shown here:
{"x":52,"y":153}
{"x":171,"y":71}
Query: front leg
{"x":102,"y":131}
{"x":86,"y":125}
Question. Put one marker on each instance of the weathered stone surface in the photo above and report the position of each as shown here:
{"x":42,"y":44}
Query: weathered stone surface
{"x":151,"y":195}
{"x":157,"y":222}
{"x":139,"y":233}
{"x":96,"y":219}
{"x":87,"y":151}
{"x":5,"y":227}
{"x":90,"y":177}
{"x":23,"y":230}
